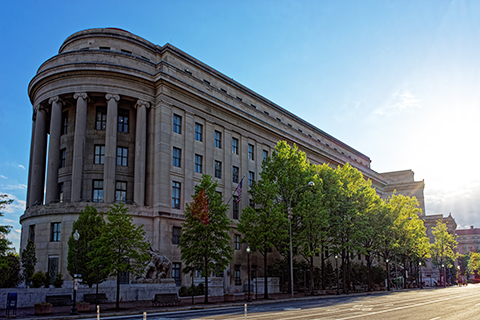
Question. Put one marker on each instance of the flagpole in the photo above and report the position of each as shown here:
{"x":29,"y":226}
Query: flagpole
{"x":231,"y":197}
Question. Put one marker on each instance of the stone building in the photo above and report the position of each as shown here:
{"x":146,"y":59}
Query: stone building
{"x":127,"y":120}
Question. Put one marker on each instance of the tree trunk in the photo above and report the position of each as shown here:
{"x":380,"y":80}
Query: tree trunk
{"x":206,"y":282}
{"x":322,"y":258}
{"x":311,"y":276}
{"x":369,"y":272}
{"x":265,"y":276}
{"x":117,"y":303}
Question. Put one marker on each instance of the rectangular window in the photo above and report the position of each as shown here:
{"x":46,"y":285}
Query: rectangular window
{"x":218,"y":139}
{"x":63,"y":158}
{"x":265,"y":155}
{"x":101,"y":119}
{"x":55,"y":231}
{"x":198,"y":132}
{"x":218,"y":169}
{"x":177,"y":273}
{"x":60,"y":193}
{"x":175,"y":195}
{"x":31,"y":232}
{"x":64,"y":122}
{"x":238,"y":279}
{"x":236,"y":242}
{"x":235,"y":174}
{"x":250,"y":151}
{"x":234,"y":145}
{"x":198,"y":163}
{"x":120,"y":192}
{"x":251,"y":203}
{"x":122,"y":156}
{"x":97,"y":191}
{"x":99,"y":157}
{"x":123,"y":121}
{"x":251,"y":178}
{"x":176,"y":235}
{"x":177,"y":124}
{"x":52,"y":268}
{"x":235,"y":207}
{"x":177,"y":155}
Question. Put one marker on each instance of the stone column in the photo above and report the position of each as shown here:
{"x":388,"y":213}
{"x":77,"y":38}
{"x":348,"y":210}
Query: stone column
{"x":110,"y":148}
{"x":39,"y":156}
{"x":79,"y":146}
{"x":32,"y":144}
{"x":140,"y":152}
{"x":54,"y":150}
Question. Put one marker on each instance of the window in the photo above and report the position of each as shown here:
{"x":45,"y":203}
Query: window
{"x":218,"y":169}
{"x":251,"y":203}
{"x":250,"y":151}
{"x":198,"y":163}
{"x":235,"y":174}
{"x":265,"y":155}
{"x":234,"y":145}
{"x":218,"y":139}
{"x":198,"y":132}
{"x":64,"y":122}
{"x":176,"y":235}
{"x":236,"y":273}
{"x":177,"y":155}
{"x":124,"y":277}
{"x":55,"y":231}
{"x":235,"y":207}
{"x":123,"y":121}
{"x":176,"y":273}
{"x":251,"y":178}
{"x":177,"y":124}
{"x":122,"y":156}
{"x":120,"y":191}
{"x":175,"y":195}
{"x":101,"y":120}
{"x":236,"y":242}
{"x":52,"y":268}
{"x":97,"y":191}
{"x":63,"y":158}
{"x":31,"y":232}
{"x":99,"y":157}
{"x":60,"y":192}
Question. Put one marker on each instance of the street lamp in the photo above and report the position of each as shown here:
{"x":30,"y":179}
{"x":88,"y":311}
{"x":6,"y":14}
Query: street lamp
{"x":290,"y":217}
{"x":338,"y":281}
{"x":249,"y":299}
{"x":420,"y":266}
{"x":74,"y":311}
{"x":443,"y":271}
{"x":388,"y":276}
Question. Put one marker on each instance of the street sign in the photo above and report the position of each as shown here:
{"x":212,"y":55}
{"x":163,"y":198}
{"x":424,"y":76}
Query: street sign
{"x":77,"y":275}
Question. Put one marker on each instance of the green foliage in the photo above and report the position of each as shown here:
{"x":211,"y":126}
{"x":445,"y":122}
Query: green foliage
{"x":473,"y":263}
{"x":58,"y":282}
{"x":9,"y":271}
{"x":29,"y":260}
{"x":443,"y":249}
{"x":206,"y":245}
{"x":121,"y":246}
{"x":38,"y":279}
{"x":5,"y":244}
{"x":198,"y":290}
{"x":89,"y":224}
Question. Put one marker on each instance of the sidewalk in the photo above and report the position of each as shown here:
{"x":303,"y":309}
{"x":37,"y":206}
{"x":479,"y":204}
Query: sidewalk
{"x":138,"y":307}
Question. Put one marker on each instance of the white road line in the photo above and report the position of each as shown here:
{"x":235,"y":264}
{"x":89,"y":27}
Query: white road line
{"x":435,"y":318}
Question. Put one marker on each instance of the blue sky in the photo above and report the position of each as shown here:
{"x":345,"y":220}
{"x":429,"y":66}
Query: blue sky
{"x":397,"y":80}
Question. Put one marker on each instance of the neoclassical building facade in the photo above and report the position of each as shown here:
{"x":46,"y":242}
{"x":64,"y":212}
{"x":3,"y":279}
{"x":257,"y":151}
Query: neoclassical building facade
{"x":117,"y":118}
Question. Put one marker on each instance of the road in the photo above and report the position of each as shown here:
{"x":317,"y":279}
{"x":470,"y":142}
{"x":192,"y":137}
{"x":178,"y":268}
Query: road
{"x":422,"y":304}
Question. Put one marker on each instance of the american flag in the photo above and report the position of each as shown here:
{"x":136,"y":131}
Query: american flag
{"x":239,"y":191}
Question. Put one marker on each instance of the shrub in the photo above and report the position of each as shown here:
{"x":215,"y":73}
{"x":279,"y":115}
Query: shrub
{"x":38,"y":279}
{"x":58,"y":282}
{"x":187,"y":291}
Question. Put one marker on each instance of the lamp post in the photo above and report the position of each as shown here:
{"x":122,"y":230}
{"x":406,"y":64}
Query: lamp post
{"x":74,"y":311}
{"x":420,"y":271}
{"x":338,"y":282}
{"x":458,"y":275}
{"x":249,"y":299}
{"x":290,"y":217}
{"x":443,"y":271}
{"x":388,"y":275}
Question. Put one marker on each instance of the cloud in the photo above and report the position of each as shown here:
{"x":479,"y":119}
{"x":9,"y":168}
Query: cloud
{"x":16,"y":187}
{"x":399,"y":102}
{"x":5,"y":220}
{"x":2,"y":176}
{"x":20,"y":166}
{"x":16,"y":206}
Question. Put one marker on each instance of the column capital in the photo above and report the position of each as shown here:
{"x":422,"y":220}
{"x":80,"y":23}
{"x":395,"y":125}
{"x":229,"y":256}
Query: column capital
{"x":109,"y":96}
{"x":55,"y":99}
{"x":142,"y":103}
{"x":80,"y":95}
{"x":39,"y":107}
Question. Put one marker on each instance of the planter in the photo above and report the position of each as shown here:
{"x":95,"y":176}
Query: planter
{"x":228,"y":297}
{"x":83,"y":306}
{"x":43,"y":308}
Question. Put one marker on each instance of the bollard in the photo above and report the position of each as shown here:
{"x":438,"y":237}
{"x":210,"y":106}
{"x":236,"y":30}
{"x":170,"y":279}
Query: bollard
{"x":144,"y":316}
{"x":98,"y":312}
{"x":245,"y":311}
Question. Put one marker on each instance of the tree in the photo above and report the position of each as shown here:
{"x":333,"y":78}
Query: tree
{"x":473,"y":265}
{"x":443,"y":254}
{"x":89,"y":225}
{"x":9,"y":271}
{"x":204,"y":238}
{"x":29,"y":260}
{"x":121,"y":247}
{"x":5,"y":244}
